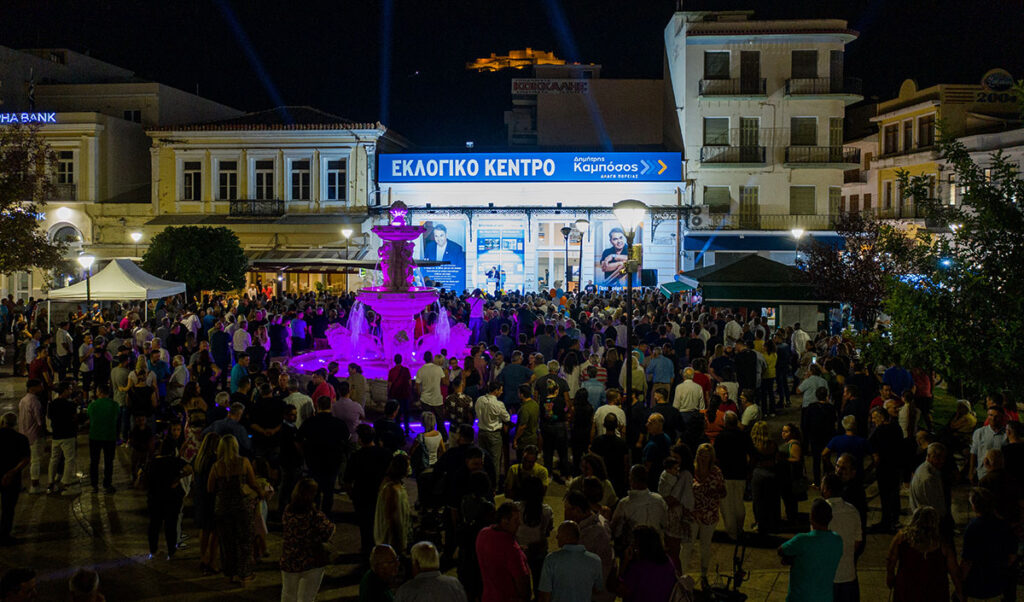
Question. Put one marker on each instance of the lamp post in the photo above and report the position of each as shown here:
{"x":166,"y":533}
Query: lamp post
{"x":797,"y":233}
{"x":630,"y":214}
{"x":566,"y":231}
{"x":136,"y":237}
{"x":582,"y":225}
{"x":346,"y":233}
{"x":85,"y":260}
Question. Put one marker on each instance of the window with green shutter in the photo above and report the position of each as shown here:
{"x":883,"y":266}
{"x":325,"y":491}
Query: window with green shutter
{"x":718,"y":199}
{"x":801,"y":200}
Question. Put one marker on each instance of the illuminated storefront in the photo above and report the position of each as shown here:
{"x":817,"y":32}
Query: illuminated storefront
{"x":498,"y":218}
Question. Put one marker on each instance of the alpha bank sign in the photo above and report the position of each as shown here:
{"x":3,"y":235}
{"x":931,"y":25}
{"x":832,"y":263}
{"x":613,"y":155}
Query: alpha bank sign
{"x":9,"y":118}
{"x":530,"y":167}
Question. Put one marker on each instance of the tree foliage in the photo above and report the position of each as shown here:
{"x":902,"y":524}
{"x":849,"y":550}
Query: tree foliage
{"x":858,"y":273}
{"x":964,"y":314}
{"x":25,"y":163}
{"x":202,"y":258}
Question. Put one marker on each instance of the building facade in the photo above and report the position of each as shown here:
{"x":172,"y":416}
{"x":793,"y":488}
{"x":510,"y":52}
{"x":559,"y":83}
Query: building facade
{"x":759,"y":106}
{"x":94,"y":119}
{"x":286,"y":181}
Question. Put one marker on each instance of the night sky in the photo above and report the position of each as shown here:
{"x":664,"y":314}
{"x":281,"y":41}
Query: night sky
{"x":329,"y":54}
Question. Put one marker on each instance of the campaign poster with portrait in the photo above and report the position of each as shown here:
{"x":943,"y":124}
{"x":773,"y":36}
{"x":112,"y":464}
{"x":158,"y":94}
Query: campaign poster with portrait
{"x":444,"y":241}
{"x":501,"y":259}
{"x":611,"y":253}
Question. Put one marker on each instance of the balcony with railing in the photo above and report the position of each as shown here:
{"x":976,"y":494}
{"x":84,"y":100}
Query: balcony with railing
{"x":724,"y":155}
{"x":760,"y":221}
{"x":732,"y":87}
{"x":256,"y":208}
{"x":62,"y":192}
{"x":823,"y":86}
{"x":823,"y":155}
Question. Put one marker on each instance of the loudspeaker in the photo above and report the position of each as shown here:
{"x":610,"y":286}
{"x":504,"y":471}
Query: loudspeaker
{"x":648,"y":277}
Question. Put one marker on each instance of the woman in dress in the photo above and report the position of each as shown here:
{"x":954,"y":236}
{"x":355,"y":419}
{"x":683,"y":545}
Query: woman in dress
{"x":764,"y":484}
{"x":708,"y":492}
{"x":919,"y":561}
{"x":646,"y":573}
{"x":392,"y":524}
{"x":792,"y":481}
{"x":229,"y":477}
{"x":202,"y":504}
{"x":303,"y":558}
{"x":535,"y":526}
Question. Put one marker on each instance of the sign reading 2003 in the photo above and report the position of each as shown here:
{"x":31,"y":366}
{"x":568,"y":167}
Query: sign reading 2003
{"x":530,"y":167}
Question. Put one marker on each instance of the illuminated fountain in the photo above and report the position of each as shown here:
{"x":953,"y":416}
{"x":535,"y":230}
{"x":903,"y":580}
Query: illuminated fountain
{"x":396,"y":303}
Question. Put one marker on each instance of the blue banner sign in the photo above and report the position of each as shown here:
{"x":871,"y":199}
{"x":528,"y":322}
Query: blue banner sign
{"x":531,"y":167}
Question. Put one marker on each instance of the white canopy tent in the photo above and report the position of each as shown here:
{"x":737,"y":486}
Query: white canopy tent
{"x":121,"y":280}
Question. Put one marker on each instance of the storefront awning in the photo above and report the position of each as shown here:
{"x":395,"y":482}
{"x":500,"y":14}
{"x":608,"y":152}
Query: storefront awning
{"x":316,"y":261}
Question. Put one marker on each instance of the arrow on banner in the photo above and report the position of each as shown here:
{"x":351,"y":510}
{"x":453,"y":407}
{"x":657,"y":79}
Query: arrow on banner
{"x":647,"y":167}
{"x":663,"y":167}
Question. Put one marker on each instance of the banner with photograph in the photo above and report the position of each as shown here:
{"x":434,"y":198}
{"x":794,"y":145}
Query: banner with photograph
{"x":444,"y":241}
{"x":501,"y":259}
{"x":611,"y":253}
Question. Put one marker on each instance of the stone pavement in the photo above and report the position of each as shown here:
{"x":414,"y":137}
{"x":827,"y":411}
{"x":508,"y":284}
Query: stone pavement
{"x":108,"y":532}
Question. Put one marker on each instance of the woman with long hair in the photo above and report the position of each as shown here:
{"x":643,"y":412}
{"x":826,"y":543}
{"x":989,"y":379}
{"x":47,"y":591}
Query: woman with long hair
{"x":592,"y":465}
{"x":764,"y":483}
{"x":708,"y":492}
{"x":229,"y":477}
{"x":202,"y":503}
{"x":535,"y":526}
{"x":142,"y":390}
{"x":646,"y":573}
{"x":919,"y":561}
{"x":612,"y":366}
{"x":792,"y":482}
{"x":305,"y":531}
{"x":392,"y":523}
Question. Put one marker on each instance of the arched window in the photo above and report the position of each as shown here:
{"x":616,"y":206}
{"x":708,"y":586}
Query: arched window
{"x":68,"y":234}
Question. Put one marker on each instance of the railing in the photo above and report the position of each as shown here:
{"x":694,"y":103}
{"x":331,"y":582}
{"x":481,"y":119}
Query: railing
{"x":63,"y":192}
{"x":854,"y":176}
{"x":256,"y":208}
{"x":760,"y":221}
{"x":907,"y":211}
{"x":812,"y":86}
{"x":732,"y":154}
{"x":823,"y":154}
{"x":732,"y":87}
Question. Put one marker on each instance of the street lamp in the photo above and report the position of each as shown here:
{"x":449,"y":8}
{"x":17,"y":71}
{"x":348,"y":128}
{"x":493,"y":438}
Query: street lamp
{"x":582,"y":225}
{"x":85,"y":260}
{"x":797,"y":233}
{"x":346,"y":233}
{"x":566,"y":231}
{"x":136,"y":237}
{"x":630,"y":214}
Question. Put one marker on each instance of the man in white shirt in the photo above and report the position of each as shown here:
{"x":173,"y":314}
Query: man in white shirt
{"x":429,"y":379}
{"x":846,"y":523}
{"x":141,"y":335}
{"x":926,"y":485}
{"x":65,"y":349}
{"x":800,"y":340}
{"x":491,"y":417}
{"x":641,"y":507}
{"x":303,"y":403}
{"x":614,"y":399}
{"x":751,"y":412}
{"x":241,"y":340}
{"x":689,"y":396}
{"x":733,"y":331}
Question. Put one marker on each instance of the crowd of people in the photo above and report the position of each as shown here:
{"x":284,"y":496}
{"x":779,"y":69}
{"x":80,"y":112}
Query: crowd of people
{"x":216,"y":426}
